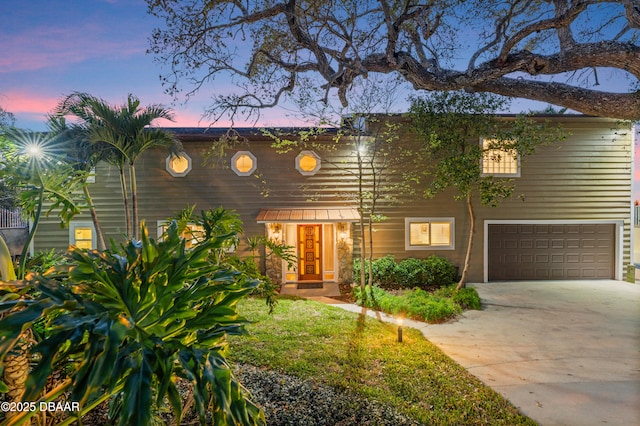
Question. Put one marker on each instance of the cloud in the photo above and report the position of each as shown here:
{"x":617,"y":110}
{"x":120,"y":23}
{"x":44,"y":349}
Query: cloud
{"x":27,"y":103}
{"x":45,"y":47}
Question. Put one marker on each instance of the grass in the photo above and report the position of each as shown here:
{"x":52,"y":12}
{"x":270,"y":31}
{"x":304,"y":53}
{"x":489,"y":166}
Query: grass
{"x":358,"y":353}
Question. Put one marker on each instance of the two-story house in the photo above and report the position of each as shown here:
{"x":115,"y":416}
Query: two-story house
{"x":570,"y":216}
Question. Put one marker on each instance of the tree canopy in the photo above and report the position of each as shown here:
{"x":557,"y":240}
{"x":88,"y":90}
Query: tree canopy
{"x":553,"y":51}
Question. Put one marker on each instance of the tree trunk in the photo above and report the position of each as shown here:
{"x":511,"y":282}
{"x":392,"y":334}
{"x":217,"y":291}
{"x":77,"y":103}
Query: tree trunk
{"x":32,"y":232}
{"x":94,"y":218}
{"x":16,"y":371}
{"x":472,"y":230}
{"x":363,"y":286}
{"x":125,"y":201}
{"x":370,"y":281}
{"x":134,"y":201}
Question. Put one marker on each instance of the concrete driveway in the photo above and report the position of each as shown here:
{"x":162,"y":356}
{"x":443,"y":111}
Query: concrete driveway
{"x":564,"y":352}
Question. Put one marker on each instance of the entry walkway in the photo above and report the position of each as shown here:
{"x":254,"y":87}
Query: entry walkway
{"x":563,"y":352}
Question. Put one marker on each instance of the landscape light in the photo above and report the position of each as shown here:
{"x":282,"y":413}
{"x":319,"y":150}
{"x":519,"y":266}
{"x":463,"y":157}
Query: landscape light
{"x":399,"y":320}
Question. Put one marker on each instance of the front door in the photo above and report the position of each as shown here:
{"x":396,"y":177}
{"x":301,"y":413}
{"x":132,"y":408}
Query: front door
{"x":310,"y":249}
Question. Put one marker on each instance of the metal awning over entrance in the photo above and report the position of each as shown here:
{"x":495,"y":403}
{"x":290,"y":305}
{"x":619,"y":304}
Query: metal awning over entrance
{"x":308,"y":215}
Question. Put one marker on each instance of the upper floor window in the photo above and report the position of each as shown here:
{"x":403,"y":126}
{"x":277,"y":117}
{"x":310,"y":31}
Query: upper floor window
{"x":307,"y":163}
{"x":178,"y":166}
{"x":244,"y":163}
{"x":429,"y":233}
{"x":497,"y":161}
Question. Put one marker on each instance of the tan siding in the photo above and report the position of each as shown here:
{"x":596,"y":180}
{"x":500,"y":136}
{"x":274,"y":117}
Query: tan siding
{"x":586,"y":177}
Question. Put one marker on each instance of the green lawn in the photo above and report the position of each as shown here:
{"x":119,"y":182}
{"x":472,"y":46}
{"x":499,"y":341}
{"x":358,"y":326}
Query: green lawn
{"x":360,"y":354}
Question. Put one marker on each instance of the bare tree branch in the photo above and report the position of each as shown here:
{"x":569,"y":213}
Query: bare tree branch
{"x":522,"y":48}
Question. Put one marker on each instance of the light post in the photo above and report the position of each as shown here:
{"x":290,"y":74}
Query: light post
{"x":399,"y":320}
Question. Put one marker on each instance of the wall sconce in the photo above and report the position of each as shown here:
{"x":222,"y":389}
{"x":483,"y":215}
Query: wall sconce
{"x":342,"y":232}
{"x":276,"y":232}
{"x":399,"y":320}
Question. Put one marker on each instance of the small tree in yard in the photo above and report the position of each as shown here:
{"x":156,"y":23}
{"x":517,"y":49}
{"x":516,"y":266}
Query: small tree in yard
{"x":449,"y":126}
{"x":377,"y":161}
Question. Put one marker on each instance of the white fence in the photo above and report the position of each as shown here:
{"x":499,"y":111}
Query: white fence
{"x":12,"y":219}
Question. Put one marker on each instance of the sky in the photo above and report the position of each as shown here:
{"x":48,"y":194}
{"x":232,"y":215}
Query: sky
{"x":52,"y":48}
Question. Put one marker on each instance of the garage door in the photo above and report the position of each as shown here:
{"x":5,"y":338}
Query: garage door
{"x":551,"y":251}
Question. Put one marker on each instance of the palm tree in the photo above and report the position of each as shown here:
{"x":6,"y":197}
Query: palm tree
{"x":84,"y":156}
{"x":126,"y":130}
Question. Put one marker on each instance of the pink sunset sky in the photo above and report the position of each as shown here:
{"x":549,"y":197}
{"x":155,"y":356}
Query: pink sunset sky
{"x":51,"y":48}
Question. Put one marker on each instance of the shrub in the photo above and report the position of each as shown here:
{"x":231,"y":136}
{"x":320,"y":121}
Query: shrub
{"x":435,"y":271}
{"x":384,"y":271}
{"x":466,"y":298}
{"x":418,"y":304}
{"x":44,"y":260}
{"x":412,"y":273}
{"x":441,"y":271}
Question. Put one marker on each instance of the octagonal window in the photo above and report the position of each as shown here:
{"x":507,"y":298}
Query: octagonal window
{"x":244,"y":163}
{"x":307,"y":163}
{"x":178,"y":166}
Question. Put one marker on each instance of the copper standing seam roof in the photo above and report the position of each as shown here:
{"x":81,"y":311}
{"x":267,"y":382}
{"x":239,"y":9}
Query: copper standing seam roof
{"x":308,"y":215}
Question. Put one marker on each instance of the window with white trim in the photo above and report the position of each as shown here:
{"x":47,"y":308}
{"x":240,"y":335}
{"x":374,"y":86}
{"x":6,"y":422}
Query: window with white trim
{"x":429,"y":233}
{"x":497,"y":161}
{"x":82,"y":235}
{"x":194,"y":234}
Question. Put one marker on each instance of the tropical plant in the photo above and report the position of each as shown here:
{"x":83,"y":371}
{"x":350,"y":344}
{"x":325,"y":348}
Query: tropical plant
{"x":126,"y":130}
{"x":220,"y":221}
{"x":132,"y":320}
{"x":31,"y":165}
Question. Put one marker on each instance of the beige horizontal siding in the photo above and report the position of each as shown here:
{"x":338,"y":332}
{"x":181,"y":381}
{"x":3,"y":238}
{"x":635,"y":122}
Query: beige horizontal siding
{"x":586,"y":177}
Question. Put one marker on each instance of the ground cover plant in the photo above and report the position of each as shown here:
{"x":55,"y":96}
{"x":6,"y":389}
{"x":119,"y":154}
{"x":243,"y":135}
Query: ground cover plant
{"x":358,"y":355}
{"x":433,"y":307}
{"x":421,"y":289}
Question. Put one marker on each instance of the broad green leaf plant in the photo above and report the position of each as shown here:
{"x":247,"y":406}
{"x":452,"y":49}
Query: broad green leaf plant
{"x":130,"y":321}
